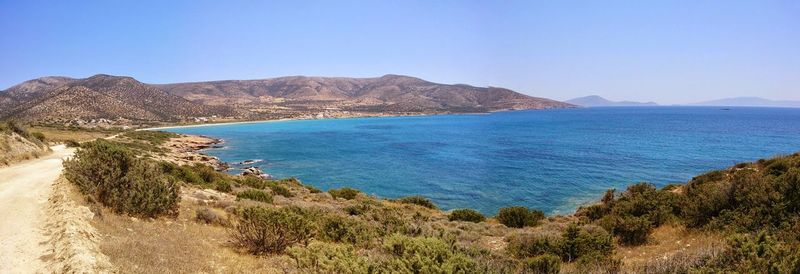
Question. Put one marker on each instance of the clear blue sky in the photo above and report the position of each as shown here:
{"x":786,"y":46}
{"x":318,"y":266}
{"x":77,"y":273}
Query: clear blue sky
{"x":665,"y":51}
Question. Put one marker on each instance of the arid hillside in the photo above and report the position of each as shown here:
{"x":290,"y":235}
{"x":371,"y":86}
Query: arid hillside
{"x":61,"y":100}
{"x":17,"y":144}
{"x":98,"y":97}
{"x":386,"y":93}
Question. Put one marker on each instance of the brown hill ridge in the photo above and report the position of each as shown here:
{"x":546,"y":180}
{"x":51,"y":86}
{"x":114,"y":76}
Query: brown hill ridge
{"x":59,"y":99}
{"x":98,"y":97}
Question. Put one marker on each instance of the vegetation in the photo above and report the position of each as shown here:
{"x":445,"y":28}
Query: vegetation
{"x":115,"y":177}
{"x":544,"y":264}
{"x":466,"y":215}
{"x":261,"y":230}
{"x":517,"y":216}
{"x":344,"y":193}
{"x":281,"y":190}
{"x":154,"y":138}
{"x":757,"y":204}
{"x":417,"y":200}
{"x":255,"y":195}
{"x":72,"y":143}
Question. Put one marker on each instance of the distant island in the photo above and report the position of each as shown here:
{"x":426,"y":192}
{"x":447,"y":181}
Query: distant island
{"x":597,"y":101}
{"x":749,"y":102}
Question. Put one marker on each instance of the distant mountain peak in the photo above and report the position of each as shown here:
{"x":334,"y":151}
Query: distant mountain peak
{"x":749,"y":101}
{"x":598,"y":101}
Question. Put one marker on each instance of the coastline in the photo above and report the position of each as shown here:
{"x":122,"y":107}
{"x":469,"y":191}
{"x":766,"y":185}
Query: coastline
{"x":329,"y":118}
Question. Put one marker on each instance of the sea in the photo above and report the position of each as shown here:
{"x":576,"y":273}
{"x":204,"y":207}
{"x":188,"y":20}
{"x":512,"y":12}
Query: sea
{"x":552,"y":160}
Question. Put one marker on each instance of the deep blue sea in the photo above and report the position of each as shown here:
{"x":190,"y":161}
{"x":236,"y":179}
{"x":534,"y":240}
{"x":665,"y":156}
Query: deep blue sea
{"x":553,"y":160}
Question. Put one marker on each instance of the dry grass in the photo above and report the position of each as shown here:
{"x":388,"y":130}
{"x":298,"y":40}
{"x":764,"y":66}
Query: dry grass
{"x":60,"y":135}
{"x":671,"y":247}
{"x":180,"y":245}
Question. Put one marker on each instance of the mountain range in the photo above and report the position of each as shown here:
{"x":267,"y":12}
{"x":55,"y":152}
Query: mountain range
{"x":749,"y":102}
{"x":63,"y":99}
{"x":597,"y":101}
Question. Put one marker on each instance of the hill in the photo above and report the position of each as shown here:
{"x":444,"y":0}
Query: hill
{"x":749,"y":102}
{"x":386,"y":93}
{"x":597,"y":101}
{"x":63,"y":99}
{"x":17,"y":144}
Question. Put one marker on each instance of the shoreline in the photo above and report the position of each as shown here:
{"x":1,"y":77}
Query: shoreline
{"x":330,"y":118}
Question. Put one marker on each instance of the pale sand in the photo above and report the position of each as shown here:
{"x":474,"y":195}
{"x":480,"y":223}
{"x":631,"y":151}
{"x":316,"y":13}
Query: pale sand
{"x":24,"y":191}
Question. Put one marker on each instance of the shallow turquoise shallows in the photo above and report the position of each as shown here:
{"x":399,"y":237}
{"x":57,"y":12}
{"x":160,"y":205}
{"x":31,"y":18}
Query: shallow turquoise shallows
{"x":553,"y":160}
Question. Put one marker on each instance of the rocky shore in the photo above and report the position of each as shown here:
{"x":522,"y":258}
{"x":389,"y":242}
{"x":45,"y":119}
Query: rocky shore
{"x":185,"y":149}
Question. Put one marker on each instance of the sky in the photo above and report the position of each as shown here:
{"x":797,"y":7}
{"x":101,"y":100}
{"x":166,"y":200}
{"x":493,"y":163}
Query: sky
{"x":665,"y":51}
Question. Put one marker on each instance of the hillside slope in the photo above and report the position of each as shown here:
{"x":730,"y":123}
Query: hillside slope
{"x":63,"y":100}
{"x":386,"y":93}
{"x":99,"y":96}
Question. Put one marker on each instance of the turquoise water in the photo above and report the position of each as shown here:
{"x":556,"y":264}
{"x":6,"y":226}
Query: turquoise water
{"x":553,"y":160}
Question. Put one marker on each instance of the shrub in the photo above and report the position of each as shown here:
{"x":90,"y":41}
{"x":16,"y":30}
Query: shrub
{"x":467,"y":215}
{"x":281,"y":190}
{"x":206,"y":215}
{"x":598,"y":263}
{"x":72,"y":143}
{"x":425,"y":255}
{"x":344,"y":193}
{"x":341,"y":229}
{"x":417,"y":200}
{"x":223,"y":186}
{"x":358,"y":209}
{"x":312,"y":189}
{"x":253,"y":182}
{"x":632,"y":230}
{"x":112,"y":175}
{"x":518,"y":217}
{"x":255,"y":195}
{"x":39,"y":136}
{"x":577,"y":242}
{"x":262,"y":230}
{"x":155,"y":138}
{"x":320,"y":257}
{"x":544,"y":264}
{"x":529,"y":245}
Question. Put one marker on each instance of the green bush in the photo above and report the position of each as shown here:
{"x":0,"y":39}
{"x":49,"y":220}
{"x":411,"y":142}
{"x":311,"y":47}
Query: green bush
{"x":115,"y":177}
{"x":72,"y":143}
{"x":223,"y":186}
{"x":417,"y":200}
{"x":344,"y":193}
{"x":253,"y":182}
{"x":425,"y":255}
{"x":544,"y":264}
{"x":598,"y":263}
{"x":312,"y":189}
{"x":632,"y":230}
{"x":574,"y":243}
{"x":255,"y":195}
{"x":357,"y":209}
{"x":281,"y":190}
{"x":341,"y":229}
{"x":577,"y":242}
{"x":518,"y":217}
{"x":528,"y":245}
{"x":320,"y":257}
{"x":155,"y":138}
{"x":467,"y":215}
{"x":262,"y":230}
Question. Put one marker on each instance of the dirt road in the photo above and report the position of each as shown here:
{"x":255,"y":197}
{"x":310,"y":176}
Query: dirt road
{"x":24,"y":190}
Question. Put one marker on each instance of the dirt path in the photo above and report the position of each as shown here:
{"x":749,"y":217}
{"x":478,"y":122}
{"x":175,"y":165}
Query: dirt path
{"x":24,"y":192}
